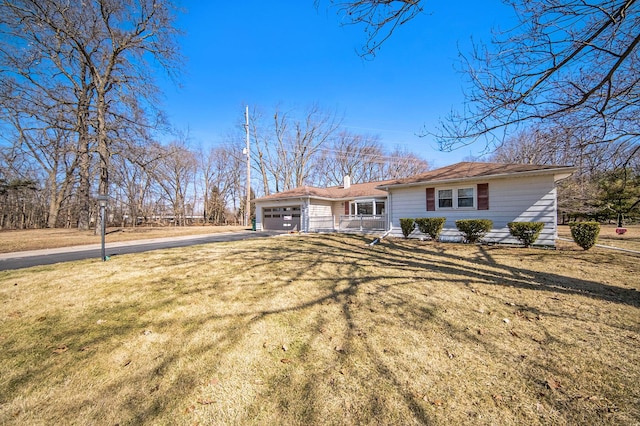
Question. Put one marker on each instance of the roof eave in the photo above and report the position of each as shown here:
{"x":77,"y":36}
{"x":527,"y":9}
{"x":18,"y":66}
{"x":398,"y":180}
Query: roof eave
{"x":562,"y":171}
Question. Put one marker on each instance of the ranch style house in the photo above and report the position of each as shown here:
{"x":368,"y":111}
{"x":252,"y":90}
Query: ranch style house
{"x":467,"y":190}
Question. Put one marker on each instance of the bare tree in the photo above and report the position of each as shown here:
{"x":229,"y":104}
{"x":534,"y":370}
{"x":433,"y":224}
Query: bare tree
{"x":173,"y":173}
{"x":99,"y":50}
{"x":288,"y":146}
{"x":380,"y":18}
{"x":358,"y":156}
{"x":218,"y":174}
{"x":571,"y":64}
{"x":402,"y":163}
{"x":298,"y":141}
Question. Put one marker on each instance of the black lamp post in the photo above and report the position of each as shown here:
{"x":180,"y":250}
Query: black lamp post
{"x":102,"y":200}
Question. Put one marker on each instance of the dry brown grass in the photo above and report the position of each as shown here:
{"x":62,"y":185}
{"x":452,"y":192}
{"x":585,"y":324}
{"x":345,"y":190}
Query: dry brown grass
{"x":36,"y":239}
{"x":608,"y":236}
{"x":323,"y":329}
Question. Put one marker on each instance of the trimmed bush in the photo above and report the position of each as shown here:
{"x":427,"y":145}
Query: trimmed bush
{"x":526,"y":232}
{"x":407,"y":226}
{"x":474,"y":229}
{"x":431,"y":226}
{"x":585,"y":234}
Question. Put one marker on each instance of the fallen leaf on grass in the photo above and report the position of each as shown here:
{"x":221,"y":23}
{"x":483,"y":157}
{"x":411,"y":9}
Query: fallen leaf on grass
{"x":285,"y":361}
{"x":60,"y":349}
{"x":514,"y":334}
{"x":206,"y":401}
{"x":481,"y":331}
{"x":553,"y":384}
{"x":127,"y":362}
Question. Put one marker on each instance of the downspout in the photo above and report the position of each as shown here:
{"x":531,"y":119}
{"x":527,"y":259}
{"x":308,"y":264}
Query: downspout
{"x":304,"y":212}
{"x":389,"y":210}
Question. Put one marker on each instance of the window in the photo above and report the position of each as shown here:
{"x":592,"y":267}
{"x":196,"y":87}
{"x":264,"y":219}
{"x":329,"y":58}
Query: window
{"x":465,"y":197}
{"x":369,"y":207}
{"x":474,"y":197}
{"x":454,"y":198}
{"x":445,"y":198}
{"x":364,"y":208}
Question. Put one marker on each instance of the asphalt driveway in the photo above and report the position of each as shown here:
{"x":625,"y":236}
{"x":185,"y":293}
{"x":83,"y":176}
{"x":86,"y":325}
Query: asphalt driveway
{"x":26,"y":259}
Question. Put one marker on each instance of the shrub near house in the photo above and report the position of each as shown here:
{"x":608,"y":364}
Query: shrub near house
{"x":431,"y":226}
{"x":407,"y":225}
{"x":526,"y":232}
{"x":474,"y":229}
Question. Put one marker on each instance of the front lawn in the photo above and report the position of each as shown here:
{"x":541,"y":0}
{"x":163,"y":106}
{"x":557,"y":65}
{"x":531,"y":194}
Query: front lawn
{"x":323,"y":329}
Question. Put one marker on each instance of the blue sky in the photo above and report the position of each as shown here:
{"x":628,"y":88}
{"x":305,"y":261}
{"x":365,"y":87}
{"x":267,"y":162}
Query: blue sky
{"x":268,"y":53}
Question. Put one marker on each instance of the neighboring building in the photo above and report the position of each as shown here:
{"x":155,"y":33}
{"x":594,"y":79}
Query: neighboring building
{"x":501,"y":192}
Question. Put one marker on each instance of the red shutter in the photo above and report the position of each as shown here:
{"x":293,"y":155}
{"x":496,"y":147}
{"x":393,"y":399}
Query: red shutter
{"x":483,"y":196}
{"x":346,"y":207}
{"x":431,"y":199}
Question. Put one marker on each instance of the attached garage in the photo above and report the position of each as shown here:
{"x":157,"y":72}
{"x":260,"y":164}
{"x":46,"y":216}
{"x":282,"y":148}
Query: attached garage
{"x":285,"y":218}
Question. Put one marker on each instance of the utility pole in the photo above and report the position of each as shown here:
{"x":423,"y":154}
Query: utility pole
{"x":247,"y":206}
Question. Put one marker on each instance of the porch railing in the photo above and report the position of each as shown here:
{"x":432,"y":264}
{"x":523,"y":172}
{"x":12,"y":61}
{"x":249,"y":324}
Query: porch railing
{"x":348,"y":223}
{"x":363,"y":222}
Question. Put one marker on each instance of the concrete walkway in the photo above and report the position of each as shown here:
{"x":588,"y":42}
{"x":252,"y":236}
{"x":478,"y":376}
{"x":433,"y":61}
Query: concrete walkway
{"x":604,"y":247}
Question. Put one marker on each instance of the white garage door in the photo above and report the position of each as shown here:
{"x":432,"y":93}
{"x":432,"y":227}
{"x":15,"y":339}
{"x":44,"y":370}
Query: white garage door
{"x":281,"y":218}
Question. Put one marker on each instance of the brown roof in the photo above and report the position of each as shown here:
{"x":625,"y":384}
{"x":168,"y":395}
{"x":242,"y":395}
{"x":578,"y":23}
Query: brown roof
{"x":356,"y":190}
{"x":455,"y":172}
{"x":469,"y":170}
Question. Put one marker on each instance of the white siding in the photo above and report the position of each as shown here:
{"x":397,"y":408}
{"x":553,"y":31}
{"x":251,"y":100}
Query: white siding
{"x":320,"y":216}
{"x":320,"y":208}
{"x":526,"y":199}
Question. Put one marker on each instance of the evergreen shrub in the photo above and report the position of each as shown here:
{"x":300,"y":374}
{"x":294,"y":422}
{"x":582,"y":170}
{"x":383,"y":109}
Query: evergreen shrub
{"x":474,"y":229}
{"x":526,"y":232}
{"x":585,"y":234}
{"x":431,"y":226}
{"x":407,"y":225}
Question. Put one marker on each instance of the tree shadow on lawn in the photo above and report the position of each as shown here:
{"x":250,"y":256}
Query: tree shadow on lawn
{"x":352,"y":298}
{"x":399,"y":262}
{"x":419,"y":257}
